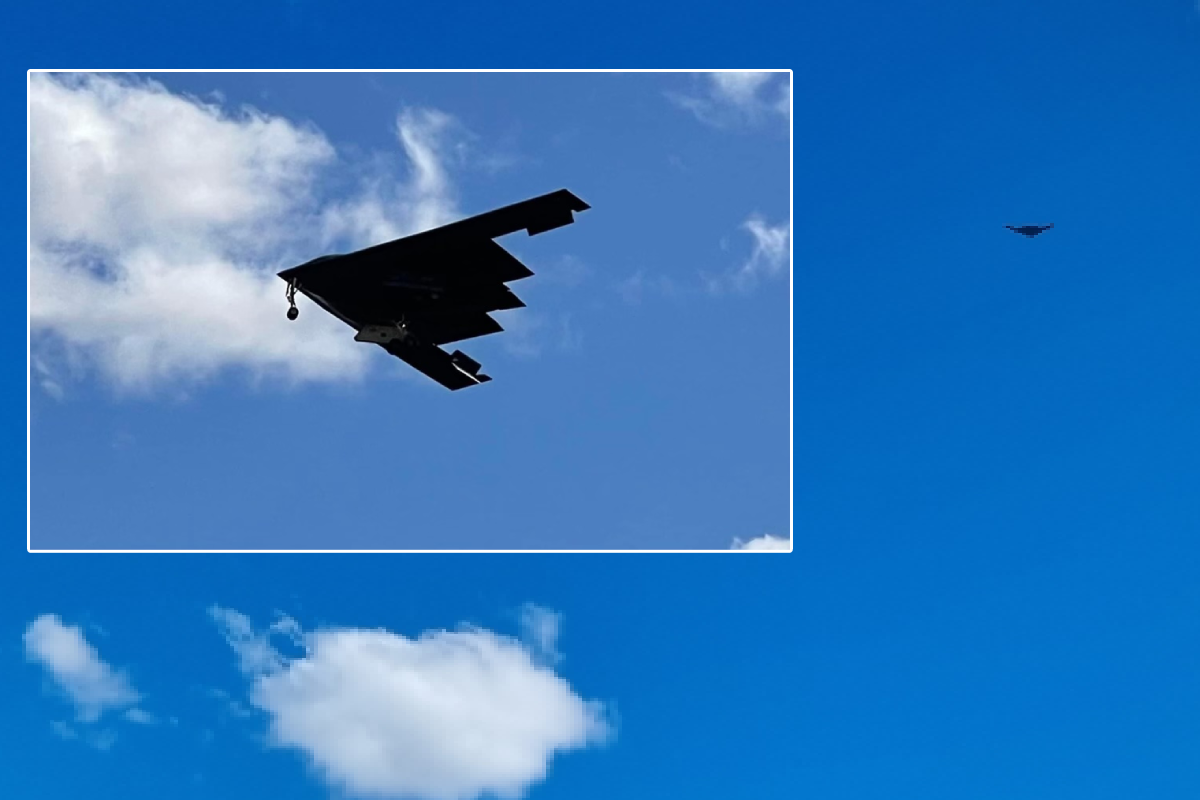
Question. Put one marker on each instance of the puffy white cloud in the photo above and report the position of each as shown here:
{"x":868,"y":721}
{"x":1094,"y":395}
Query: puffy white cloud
{"x":77,"y":669}
{"x":158,"y":222}
{"x":119,"y":164}
{"x":765,"y":542}
{"x":730,"y":98}
{"x":444,"y":716}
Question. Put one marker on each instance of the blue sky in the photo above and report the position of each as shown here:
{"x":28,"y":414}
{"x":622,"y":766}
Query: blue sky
{"x":641,"y":401}
{"x":689,"y":698}
{"x":994,"y":591}
{"x":997,"y":449}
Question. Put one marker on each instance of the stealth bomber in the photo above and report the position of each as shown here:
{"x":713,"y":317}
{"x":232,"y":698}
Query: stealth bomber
{"x":414,"y":294}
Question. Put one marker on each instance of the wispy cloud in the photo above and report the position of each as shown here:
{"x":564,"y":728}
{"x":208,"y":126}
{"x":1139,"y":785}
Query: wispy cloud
{"x":158,"y":222}
{"x":46,"y":378}
{"x":525,"y":332}
{"x":640,"y":285}
{"x":568,"y":271}
{"x":63,"y":730}
{"x":530,"y":335}
{"x":102,"y":739}
{"x":443,"y":716}
{"x":763,"y":543}
{"x":729,"y":99}
{"x":230,"y":705}
{"x":784,"y":104}
{"x":141,"y":717}
{"x":570,"y":335}
{"x":76,"y":668}
{"x":77,"y":671}
{"x":539,"y":629}
{"x":256,"y":654}
{"x":769,"y":257}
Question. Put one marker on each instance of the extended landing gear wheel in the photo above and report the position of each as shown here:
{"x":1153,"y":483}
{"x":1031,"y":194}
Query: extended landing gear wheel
{"x":292,"y":311}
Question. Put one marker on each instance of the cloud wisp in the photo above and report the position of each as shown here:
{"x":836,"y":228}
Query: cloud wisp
{"x":738,"y":98}
{"x":539,"y":630}
{"x":769,"y":257}
{"x":75,"y":667}
{"x":448,"y":715}
{"x":76,"y":670}
{"x":766,"y":542}
{"x":158,"y":222}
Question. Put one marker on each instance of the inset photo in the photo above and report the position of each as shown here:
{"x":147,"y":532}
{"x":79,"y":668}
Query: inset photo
{"x":410,"y":311}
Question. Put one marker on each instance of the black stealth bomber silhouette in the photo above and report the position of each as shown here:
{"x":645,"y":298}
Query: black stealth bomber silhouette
{"x":412,"y":294}
{"x":1030,"y":230}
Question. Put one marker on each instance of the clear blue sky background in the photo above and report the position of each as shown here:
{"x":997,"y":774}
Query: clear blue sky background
{"x":997,"y":448}
{"x":994,"y":591}
{"x":651,"y":421}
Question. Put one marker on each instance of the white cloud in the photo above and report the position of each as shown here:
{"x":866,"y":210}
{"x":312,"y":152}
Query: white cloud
{"x":158,"y":223}
{"x":738,"y":98}
{"x":77,"y":669}
{"x":739,"y":88}
{"x":47,"y":380}
{"x":230,"y":705}
{"x":141,"y":717}
{"x":387,"y":209}
{"x":254,"y":650}
{"x":765,"y":542}
{"x":769,"y":257}
{"x":63,"y":730}
{"x":444,"y":716}
{"x":102,"y":740}
{"x":539,"y":629}
{"x":770,"y":254}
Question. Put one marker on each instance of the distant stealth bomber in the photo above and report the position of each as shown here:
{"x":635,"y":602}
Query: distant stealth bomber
{"x":412,"y":294}
{"x":1030,"y":230}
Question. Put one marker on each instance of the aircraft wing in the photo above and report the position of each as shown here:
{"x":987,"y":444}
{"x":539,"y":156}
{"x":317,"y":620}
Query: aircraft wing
{"x":462,"y":250}
{"x":451,"y":276}
{"x":446,"y":294}
{"x":454,"y":370}
{"x":440,"y":284}
{"x":536,"y":215}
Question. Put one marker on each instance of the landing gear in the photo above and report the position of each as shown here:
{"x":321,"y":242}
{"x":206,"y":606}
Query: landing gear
{"x":292,"y":311}
{"x":403,"y":333}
